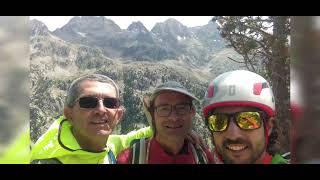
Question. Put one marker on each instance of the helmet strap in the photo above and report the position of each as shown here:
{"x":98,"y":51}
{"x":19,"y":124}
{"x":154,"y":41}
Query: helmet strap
{"x":266,"y":131}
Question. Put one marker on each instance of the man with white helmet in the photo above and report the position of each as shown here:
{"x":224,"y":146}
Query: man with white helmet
{"x":170,"y":111}
{"x":239,"y":109}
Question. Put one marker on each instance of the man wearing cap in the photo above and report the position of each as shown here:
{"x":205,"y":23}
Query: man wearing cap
{"x":169,"y":111}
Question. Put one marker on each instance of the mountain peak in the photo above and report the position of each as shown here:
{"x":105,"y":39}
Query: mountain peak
{"x":171,"y":27}
{"x":91,"y":24}
{"x":86,"y":19}
{"x":137,"y":27}
{"x":172,"y":21}
{"x":38,"y":28}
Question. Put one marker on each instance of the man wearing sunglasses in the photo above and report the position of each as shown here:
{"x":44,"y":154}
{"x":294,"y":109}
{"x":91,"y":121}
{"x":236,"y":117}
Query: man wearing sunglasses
{"x":83,"y":134}
{"x":239,"y":109}
{"x":169,"y":111}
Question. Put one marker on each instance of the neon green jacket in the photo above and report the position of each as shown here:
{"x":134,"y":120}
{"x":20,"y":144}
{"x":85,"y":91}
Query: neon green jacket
{"x":59,"y":143}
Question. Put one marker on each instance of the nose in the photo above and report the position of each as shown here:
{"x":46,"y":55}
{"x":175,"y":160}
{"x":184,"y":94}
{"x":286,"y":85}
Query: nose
{"x":100,"y":107}
{"x":173,"y":116}
{"x":233,"y":131}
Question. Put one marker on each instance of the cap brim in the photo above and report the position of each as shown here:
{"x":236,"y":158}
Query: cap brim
{"x":175,"y":90}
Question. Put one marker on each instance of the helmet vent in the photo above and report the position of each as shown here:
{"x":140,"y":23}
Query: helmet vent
{"x":210,"y":91}
{"x":257,"y":87}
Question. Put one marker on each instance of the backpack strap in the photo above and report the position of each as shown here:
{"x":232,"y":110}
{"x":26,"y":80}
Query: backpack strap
{"x":109,"y":158}
{"x":139,"y":151}
{"x":112,"y":157}
{"x":199,"y":154}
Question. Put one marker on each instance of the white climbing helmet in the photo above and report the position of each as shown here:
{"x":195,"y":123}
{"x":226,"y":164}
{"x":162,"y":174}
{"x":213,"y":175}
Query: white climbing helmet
{"x":239,"y":88}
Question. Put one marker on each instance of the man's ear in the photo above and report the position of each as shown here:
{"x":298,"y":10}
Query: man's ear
{"x":193,"y":110}
{"x":146,"y":102}
{"x":270,"y":125}
{"x":68,"y":113}
{"x":146,"y":108}
{"x":119,"y":114}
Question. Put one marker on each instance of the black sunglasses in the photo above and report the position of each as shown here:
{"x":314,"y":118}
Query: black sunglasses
{"x":92,"y":102}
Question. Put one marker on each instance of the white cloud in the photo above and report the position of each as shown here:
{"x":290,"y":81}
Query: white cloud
{"x":54,"y":22}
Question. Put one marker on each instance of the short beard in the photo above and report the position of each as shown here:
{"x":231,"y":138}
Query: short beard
{"x":252,"y":159}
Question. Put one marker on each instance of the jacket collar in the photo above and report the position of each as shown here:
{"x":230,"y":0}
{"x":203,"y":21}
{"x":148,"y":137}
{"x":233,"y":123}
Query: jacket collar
{"x":59,"y":142}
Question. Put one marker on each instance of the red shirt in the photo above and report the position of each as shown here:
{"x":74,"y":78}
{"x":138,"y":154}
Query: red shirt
{"x":157,"y":155}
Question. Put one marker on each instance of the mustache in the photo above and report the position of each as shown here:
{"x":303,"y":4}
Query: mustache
{"x":236,"y":141}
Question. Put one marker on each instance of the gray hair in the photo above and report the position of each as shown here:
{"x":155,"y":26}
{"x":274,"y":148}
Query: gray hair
{"x":74,"y":89}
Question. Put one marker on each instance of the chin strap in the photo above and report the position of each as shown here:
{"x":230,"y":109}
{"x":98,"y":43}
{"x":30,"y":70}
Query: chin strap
{"x":266,"y":134}
{"x":267,"y":157}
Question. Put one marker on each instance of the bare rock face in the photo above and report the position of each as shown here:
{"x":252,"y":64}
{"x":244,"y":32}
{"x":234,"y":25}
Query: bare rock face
{"x":167,"y":40}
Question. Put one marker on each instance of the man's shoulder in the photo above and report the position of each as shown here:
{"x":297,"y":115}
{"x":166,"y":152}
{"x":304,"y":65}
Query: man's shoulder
{"x":47,"y":143}
{"x":136,"y":150}
{"x":125,"y":156}
{"x":52,"y":130}
{"x":202,"y":154}
{"x":209,"y":156}
{"x":280,"y":159}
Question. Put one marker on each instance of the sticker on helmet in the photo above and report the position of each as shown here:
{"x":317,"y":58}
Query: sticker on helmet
{"x":229,"y":90}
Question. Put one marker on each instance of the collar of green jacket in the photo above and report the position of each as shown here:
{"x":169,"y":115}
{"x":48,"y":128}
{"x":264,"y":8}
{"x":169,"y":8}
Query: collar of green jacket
{"x":59,"y":142}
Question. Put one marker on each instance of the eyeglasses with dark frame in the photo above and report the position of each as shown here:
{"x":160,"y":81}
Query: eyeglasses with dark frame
{"x":166,"y":110}
{"x":92,"y":102}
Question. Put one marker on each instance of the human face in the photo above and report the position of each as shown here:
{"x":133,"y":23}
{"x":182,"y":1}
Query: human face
{"x":91,"y":123}
{"x":237,"y":146}
{"x":177,"y":124}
